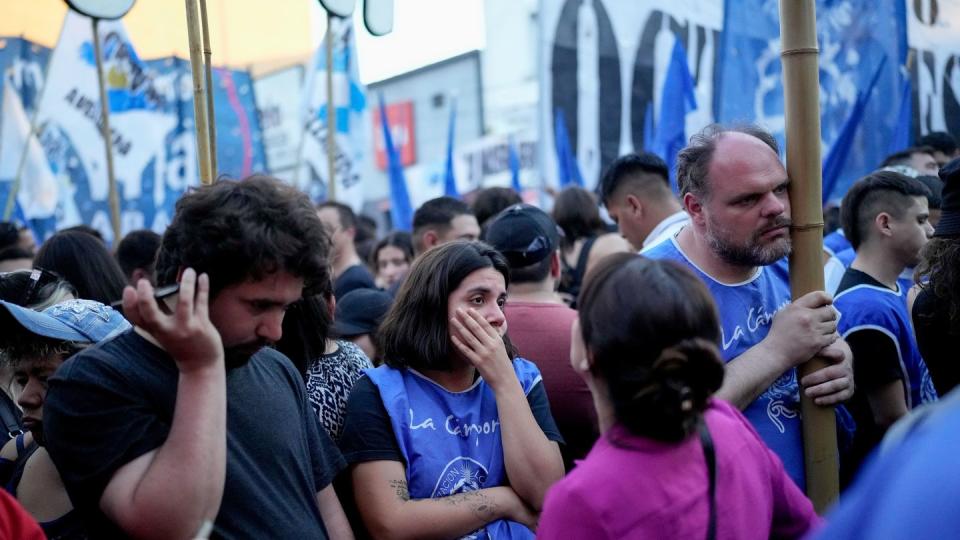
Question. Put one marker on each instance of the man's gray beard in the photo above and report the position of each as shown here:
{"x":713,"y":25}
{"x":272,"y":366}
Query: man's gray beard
{"x":749,"y":255}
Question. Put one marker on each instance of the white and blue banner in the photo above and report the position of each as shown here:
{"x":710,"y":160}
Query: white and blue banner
{"x":151,"y":118}
{"x":605,"y":66}
{"x":352,"y":130}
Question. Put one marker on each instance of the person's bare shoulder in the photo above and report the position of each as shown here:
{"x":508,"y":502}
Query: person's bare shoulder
{"x":607,"y":244}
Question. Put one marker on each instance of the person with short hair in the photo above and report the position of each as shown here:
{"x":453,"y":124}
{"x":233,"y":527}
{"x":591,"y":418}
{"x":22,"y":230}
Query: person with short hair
{"x":586,"y":239}
{"x":34,"y":289}
{"x":349,"y":272}
{"x":917,"y":158}
{"x":944,"y":146}
{"x":636,"y":191}
{"x":137,"y":255}
{"x":491,"y":201}
{"x":452,"y":436}
{"x":539,"y":320}
{"x":885,"y":219}
{"x":673,"y":461}
{"x":442,"y":220}
{"x":34,"y":344}
{"x":188,"y":422}
{"x":734,"y":188}
{"x":391,"y":258}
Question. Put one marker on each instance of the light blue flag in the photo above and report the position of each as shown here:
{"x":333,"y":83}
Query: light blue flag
{"x":449,"y":179}
{"x":677,"y":99}
{"x":837,"y":156}
{"x":902,"y":136}
{"x":401,"y":212}
{"x":513,"y":161}
{"x":569,"y":170}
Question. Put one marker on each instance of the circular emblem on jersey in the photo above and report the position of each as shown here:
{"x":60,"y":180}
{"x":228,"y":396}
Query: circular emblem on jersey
{"x":462,"y":474}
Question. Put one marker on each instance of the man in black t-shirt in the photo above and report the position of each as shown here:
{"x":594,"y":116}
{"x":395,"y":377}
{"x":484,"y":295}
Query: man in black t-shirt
{"x":885,"y":218}
{"x":186,"y":423}
{"x":349,"y":272}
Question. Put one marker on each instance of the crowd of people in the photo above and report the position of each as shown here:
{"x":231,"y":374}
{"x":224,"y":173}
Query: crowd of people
{"x":624,"y":366}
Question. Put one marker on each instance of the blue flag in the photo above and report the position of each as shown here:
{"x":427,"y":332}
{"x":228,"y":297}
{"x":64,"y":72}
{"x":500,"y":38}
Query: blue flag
{"x":569,"y":170}
{"x":513,"y":161}
{"x":902,"y":136}
{"x":449,"y":180}
{"x":677,"y":99}
{"x":837,"y":156}
{"x":401,"y":211}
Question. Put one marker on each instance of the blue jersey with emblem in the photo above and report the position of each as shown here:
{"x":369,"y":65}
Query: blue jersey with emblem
{"x":451,"y":440}
{"x":746,"y":312}
{"x":868,"y":307}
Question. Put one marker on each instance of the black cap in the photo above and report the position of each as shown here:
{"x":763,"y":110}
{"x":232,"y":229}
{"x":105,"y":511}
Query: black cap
{"x":949,"y":224}
{"x":524,"y":234}
{"x":361,"y":311}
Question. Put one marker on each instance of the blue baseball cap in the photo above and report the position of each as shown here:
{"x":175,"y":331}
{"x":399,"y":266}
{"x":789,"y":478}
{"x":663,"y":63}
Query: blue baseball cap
{"x":81,"y":321}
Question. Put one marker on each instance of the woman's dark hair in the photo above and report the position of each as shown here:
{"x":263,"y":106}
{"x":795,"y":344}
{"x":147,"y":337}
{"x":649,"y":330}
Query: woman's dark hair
{"x":240,"y":230}
{"x":939,"y":272}
{"x":85,"y":262}
{"x":415,"y":331}
{"x":401,"y":240}
{"x":577,"y":213}
{"x":306,"y":325}
{"x":656,"y":351}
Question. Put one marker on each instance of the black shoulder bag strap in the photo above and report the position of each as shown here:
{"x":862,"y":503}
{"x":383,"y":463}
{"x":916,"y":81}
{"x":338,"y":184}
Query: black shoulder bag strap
{"x":711,"y":457}
{"x":9,"y":416}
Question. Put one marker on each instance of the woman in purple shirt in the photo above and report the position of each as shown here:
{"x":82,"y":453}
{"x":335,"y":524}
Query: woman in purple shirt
{"x":672,"y":462}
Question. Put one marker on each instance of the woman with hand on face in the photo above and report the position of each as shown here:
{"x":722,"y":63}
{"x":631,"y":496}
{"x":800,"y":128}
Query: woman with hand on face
{"x":452,"y":437}
{"x":671,"y":462}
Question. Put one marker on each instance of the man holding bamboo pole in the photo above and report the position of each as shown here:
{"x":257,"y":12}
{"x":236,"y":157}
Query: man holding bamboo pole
{"x":734,"y":187}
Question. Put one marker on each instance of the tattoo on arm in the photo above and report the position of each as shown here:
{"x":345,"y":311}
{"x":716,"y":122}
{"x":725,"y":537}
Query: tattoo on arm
{"x":400,"y":487}
{"x":481,"y":505}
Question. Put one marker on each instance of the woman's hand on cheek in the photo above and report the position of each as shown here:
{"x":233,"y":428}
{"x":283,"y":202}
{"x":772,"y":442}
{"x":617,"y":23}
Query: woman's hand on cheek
{"x":480,"y":343}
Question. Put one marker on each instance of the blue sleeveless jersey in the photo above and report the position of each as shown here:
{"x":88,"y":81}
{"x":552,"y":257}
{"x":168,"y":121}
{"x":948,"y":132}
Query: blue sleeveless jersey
{"x":746,"y":312}
{"x":450,"y":440}
{"x":868,"y":307}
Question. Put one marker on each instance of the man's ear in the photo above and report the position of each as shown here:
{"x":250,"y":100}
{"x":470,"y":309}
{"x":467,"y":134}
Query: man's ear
{"x":430,"y":239}
{"x":882,"y":223}
{"x":693,"y":206}
{"x":140,"y":273}
{"x":555,"y":267}
{"x":635,"y":205}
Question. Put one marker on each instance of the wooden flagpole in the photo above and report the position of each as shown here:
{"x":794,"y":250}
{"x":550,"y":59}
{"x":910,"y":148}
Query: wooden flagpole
{"x":208,"y":76}
{"x":801,"y":83}
{"x":200,"y":116}
{"x":331,"y":116}
{"x":107,"y":135}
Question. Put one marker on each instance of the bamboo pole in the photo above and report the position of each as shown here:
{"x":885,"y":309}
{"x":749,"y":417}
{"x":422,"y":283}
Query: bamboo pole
{"x":199,"y":98}
{"x":107,"y":134}
{"x":801,"y":85}
{"x":208,"y":75}
{"x":331,"y":116}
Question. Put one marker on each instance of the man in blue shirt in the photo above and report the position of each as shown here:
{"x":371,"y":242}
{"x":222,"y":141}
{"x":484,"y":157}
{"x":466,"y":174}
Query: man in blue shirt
{"x":734,"y":188}
{"x":885,"y":217}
